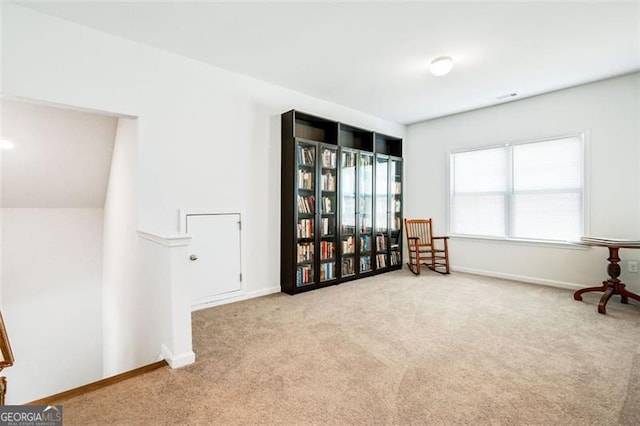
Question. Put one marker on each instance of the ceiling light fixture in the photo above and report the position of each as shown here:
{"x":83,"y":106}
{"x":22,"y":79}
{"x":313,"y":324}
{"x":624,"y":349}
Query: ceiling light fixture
{"x":6,"y":144}
{"x":441,"y":66}
{"x":506,"y":96}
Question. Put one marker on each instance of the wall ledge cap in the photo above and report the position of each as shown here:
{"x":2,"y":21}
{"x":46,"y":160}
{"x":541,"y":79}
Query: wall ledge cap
{"x":176,"y":240}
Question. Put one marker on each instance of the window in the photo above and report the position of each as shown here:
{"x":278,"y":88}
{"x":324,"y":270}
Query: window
{"x":531,"y":191}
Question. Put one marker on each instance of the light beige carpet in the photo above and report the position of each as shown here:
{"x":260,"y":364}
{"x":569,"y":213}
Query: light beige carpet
{"x":395,"y":349}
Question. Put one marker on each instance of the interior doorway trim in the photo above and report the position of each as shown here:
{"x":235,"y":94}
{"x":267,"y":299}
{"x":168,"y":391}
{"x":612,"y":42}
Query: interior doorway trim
{"x":184,"y":212}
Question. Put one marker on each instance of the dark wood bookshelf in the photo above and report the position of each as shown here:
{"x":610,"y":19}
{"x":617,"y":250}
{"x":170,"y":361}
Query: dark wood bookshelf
{"x":388,"y":145}
{"x":353,"y":137}
{"x":331,"y":214}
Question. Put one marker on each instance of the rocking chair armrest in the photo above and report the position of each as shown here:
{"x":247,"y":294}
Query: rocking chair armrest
{"x":413,"y":238}
{"x":445,"y":242}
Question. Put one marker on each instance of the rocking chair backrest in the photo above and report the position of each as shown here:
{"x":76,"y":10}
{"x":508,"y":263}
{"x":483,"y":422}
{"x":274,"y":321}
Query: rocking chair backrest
{"x":419,"y":228}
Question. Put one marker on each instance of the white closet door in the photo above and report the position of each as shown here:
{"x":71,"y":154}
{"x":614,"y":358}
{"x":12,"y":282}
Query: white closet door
{"x":216,"y":250}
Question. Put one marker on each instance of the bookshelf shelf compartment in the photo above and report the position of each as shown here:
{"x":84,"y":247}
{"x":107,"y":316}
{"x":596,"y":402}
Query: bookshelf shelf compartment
{"x":341,"y":215}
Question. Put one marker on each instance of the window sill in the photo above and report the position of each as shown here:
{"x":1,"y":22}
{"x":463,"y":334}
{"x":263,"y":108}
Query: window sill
{"x":524,"y":242}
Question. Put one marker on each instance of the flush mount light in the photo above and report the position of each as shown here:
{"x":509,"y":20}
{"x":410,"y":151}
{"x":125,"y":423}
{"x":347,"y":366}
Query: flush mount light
{"x":441,"y":66}
{"x":6,"y":144}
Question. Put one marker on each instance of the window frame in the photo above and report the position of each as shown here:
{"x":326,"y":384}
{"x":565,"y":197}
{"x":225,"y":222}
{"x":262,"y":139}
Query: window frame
{"x":583,"y":135}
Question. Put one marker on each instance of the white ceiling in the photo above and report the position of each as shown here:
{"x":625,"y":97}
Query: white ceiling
{"x":61,"y":158}
{"x":373,"y":56}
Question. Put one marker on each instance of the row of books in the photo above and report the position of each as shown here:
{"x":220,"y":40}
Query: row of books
{"x":305,"y":228}
{"x":306,"y":155}
{"x":305,"y":252}
{"x":327,"y":225}
{"x":365,"y":243}
{"x":396,"y":258}
{"x":348,"y":159}
{"x":348,"y":229}
{"x":326,"y":205}
{"x":328,"y":181}
{"x":306,"y":204}
{"x":365,"y":263}
{"x":348,"y":246}
{"x":327,"y":271}
{"x":327,"y":250}
{"x":304,"y":275}
{"x":348,"y":267}
{"x":305,"y":179}
{"x":328,"y":158}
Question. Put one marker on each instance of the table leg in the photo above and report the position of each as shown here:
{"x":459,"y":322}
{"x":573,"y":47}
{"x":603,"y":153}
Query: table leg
{"x":578,"y":294}
{"x":611,"y":286}
{"x":602,"y":306}
{"x":613,"y":283}
{"x":626,"y":293}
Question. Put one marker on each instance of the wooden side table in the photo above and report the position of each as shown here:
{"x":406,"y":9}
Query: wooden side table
{"x":613,"y":285}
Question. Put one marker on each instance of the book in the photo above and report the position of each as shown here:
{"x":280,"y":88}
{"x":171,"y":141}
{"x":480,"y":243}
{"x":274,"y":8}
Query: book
{"x":348,"y":267}
{"x":613,"y":241}
{"x":328,"y":158}
{"x":306,"y":156}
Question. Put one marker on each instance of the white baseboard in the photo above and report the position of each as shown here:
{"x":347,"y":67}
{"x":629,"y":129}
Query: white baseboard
{"x":521,"y":278}
{"x":235,"y":297}
{"x":177,"y":361}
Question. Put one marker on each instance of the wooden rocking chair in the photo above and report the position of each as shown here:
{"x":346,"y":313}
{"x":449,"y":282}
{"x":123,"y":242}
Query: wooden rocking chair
{"x":422,"y":247}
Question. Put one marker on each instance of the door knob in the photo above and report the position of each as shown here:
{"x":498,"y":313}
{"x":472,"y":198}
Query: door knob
{"x":193,"y":257}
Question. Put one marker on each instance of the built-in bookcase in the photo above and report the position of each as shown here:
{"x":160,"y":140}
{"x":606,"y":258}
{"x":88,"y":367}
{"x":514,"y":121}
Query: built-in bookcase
{"x":395,"y":217}
{"x":388,"y":202}
{"x":328,"y":212}
{"x":341,"y":214}
{"x":348,"y":212}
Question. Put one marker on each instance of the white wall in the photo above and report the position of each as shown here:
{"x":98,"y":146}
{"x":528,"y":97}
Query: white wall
{"x":608,"y":111}
{"x":207,"y":138}
{"x":61,"y":157}
{"x":120,"y":256}
{"x":52,"y":299}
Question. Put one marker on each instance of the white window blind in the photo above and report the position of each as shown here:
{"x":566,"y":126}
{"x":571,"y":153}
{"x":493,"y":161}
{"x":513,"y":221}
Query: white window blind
{"x":522,"y":191}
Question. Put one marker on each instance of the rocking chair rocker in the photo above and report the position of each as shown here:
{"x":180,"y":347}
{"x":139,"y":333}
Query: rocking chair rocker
{"x":422,"y":247}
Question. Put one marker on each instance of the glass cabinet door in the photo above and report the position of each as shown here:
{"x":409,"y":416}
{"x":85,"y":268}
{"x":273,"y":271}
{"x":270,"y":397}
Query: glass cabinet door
{"x":348,"y":212}
{"x":305,"y":186}
{"x":365,"y":210}
{"x":395,"y":232}
{"x":382,"y":211}
{"x":328,"y":213}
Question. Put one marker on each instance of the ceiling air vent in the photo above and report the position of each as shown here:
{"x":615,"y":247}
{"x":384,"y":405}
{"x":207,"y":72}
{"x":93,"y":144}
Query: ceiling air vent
{"x":506,"y":96}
